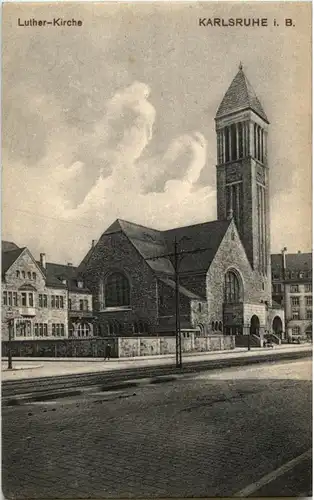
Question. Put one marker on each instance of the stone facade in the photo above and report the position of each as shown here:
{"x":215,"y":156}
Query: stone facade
{"x":34,"y":308}
{"x":292,"y":290}
{"x":114,"y":252}
{"x":231,"y":256}
{"x":25,"y":277}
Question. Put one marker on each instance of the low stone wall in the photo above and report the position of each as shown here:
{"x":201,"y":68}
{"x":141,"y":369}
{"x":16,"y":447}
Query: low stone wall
{"x":61,"y":348}
{"x":214,"y":343}
{"x":123,"y":347}
{"x":149,"y":346}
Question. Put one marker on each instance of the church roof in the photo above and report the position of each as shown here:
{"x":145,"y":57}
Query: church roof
{"x":199,"y":244}
{"x":239,"y":96}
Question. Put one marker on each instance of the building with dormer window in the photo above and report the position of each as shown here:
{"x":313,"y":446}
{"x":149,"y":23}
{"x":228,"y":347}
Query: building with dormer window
{"x":42,"y":300}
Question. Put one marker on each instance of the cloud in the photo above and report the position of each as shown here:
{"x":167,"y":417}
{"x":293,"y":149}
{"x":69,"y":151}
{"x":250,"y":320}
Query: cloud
{"x":68,"y":204}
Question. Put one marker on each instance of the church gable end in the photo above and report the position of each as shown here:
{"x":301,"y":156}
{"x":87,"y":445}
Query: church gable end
{"x":115,"y":257}
{"x":232,"y":257}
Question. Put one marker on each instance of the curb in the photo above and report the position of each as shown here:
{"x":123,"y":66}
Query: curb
{"x":120,"y":382}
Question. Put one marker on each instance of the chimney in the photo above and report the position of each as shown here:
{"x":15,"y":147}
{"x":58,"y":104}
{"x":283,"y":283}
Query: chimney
{"x":93,"y":243}
{"x":43,"y":260}
{"x":283,"y":261}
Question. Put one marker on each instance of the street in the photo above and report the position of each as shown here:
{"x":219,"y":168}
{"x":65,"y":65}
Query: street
{"x":219,"y":433}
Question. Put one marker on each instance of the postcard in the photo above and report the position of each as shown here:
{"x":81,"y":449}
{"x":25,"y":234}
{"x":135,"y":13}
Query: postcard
{"x":156,"y":250}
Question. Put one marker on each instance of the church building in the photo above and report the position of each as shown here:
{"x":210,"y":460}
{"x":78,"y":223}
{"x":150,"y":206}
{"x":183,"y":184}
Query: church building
{"x":222,"y":268}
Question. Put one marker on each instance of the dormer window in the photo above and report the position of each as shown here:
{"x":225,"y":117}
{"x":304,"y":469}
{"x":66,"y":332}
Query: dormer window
{"x":80,"y":284}
{"x":64,"y":281}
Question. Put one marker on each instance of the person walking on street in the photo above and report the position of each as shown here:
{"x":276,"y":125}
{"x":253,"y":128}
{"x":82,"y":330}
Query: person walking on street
{"x":107,"y":352}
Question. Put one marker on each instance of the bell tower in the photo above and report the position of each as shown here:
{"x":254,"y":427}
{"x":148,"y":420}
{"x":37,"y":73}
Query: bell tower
{"x":242,"y":169}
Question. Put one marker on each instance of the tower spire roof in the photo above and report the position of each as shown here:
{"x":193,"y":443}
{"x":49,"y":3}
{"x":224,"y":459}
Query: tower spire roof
{"x":240,"y":95}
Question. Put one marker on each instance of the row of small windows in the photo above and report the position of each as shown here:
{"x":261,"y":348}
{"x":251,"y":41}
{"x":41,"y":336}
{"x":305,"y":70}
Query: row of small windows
{"x":296,"y":288}
{"x":295,"y":314}
{"x":292,"y":274}
{"x":295,"y":301}
{"x":296,"y":330}
{"x":12,"y":299}
{"x":217,"y":326}
{"x":26,"y":299}
{"x":278,"y":288}
{"x":57,"y":330}
{"x":29,"y":275}
{"x":24,"y":328}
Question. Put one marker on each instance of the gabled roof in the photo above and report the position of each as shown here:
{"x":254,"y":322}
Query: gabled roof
{"x":200,"y":241}
{"x":9,"y":257}
{"x":7,"y":246}
{"x":294,"y":262}
{"x":55,"y":273}
{"x":239,"y":96}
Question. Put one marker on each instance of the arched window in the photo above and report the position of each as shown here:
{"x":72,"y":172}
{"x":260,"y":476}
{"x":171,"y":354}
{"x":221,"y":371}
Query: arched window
{"x":232,"y":288}
{"x":233,"y":142}
{"x":83,"y":330}
{"x":220,"y":326}
{"x":117,"y":290}
{"x":227,"y":144}
{"x":216,"y":326}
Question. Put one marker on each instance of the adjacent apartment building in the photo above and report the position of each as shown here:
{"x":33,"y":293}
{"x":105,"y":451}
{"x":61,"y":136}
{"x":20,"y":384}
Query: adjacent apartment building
{"x":292,"y":289}
{"x":41,"y":299}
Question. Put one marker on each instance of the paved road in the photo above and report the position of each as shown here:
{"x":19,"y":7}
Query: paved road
{"x":24,"y":368}
{"x":216,"y":434}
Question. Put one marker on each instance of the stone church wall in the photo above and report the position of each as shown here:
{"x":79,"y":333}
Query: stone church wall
{"x":114,"y":252}
{"x":231,"y":255}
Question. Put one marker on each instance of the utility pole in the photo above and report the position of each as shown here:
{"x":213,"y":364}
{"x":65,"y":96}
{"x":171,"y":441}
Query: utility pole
{"x":177,"y":256}
{"x":10,"y":321}
{"x":283,"y":272}
{"x":177,"y":308}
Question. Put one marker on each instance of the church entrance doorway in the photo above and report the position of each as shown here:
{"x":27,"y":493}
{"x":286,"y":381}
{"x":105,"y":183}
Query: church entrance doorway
{"x":277,"y":326}
{"x":254,"y":326}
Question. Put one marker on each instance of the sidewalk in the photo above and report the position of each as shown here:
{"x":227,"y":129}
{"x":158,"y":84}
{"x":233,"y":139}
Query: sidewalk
{"x":28,"y":368}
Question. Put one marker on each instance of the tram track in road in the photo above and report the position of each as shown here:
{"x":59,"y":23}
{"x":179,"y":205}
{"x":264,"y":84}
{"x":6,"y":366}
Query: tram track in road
{"x":13,"y":390}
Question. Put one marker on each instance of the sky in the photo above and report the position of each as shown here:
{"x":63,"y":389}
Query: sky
{"x":115,"y":119}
